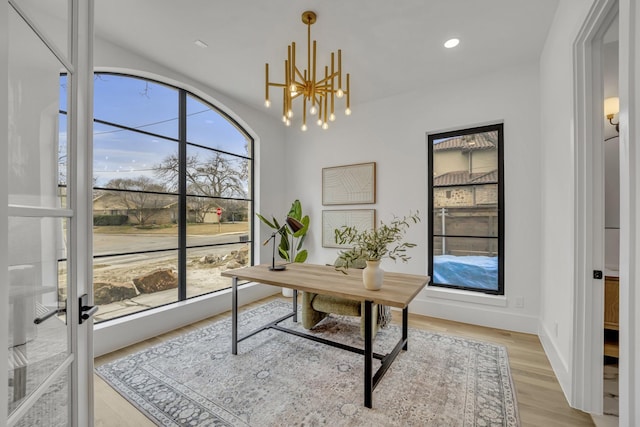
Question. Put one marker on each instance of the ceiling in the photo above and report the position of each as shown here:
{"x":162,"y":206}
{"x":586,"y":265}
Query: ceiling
{"x":389,"y":47}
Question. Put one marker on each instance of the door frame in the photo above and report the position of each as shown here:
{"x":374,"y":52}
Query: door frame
{"x":588,"y":316}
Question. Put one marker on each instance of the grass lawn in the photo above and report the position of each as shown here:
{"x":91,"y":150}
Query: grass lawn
{"x":172,"y":229}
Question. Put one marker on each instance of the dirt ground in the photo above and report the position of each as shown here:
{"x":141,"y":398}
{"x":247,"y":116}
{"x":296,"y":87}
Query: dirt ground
{"x":203,"y":276}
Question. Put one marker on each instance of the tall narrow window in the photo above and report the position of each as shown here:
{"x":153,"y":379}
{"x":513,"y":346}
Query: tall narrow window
{"x":466,"y":209}
{"x":172,"y":195}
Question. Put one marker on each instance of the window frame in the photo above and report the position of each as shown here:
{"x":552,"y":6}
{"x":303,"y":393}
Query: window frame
{"x":183,"y":142}
{"x":499,"y":128}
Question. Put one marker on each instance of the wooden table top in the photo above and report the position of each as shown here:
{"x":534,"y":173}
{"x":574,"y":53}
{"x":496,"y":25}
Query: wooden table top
{"x":398,"y":289}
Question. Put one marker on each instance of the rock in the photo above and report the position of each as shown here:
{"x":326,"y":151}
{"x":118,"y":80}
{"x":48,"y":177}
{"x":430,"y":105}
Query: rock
{"x":242,"y":256}
{"x":210,"y":259}
{"x":233,"y":264}
{"x":156,"y":281}
{"x":105,"y":293}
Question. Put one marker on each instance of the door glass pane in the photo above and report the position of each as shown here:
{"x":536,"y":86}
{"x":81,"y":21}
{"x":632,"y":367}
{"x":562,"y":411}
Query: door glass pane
{"x":52,"y":409}
{"x":38,"y":336}
{"x":465,"y":262}
{"x":136,"y":103}
{"x":52,"y":18}
{"x":207,"y":127}
{"x":37,"y":132}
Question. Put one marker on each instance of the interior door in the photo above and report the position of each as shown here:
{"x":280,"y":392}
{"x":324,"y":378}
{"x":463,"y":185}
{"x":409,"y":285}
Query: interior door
{"x":49,"y":378}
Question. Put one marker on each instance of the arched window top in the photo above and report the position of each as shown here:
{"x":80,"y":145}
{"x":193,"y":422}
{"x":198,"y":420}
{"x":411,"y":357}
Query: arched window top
{"x":153,"y":107}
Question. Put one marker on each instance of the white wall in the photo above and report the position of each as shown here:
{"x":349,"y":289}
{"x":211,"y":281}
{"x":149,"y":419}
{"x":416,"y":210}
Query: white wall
{"x":270,"y":174}
{"x":557,"y":213}
{"x":392,"y":132}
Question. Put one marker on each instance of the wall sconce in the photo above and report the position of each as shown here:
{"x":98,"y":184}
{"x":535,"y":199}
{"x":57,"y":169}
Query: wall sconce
{"x":611,"y":108}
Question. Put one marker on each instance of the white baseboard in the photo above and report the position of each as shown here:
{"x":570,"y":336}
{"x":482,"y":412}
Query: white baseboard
{"x":476,"y":315}
{"x":118,"y":333}
{"x":558,"y":363}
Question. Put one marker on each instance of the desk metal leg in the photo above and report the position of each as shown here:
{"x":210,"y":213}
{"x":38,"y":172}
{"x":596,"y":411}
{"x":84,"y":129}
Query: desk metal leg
{"x":405,"y":327}
{"x":368,"y":356}
{"x":295,"y":306}
{"x":234,"y":315}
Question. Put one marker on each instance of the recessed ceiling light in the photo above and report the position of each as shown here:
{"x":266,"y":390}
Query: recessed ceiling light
{"x":451,"y":43}
{"x":201,"y":44}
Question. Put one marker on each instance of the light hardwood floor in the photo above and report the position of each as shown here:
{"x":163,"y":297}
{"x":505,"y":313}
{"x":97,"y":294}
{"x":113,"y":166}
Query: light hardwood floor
{"x":540,"y":399}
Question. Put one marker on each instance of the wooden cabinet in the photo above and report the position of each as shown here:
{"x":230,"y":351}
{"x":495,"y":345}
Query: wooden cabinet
{"x":611,"y":327}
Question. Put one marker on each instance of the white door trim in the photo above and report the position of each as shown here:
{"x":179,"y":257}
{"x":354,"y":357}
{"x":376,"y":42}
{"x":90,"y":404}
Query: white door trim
{"x":587,"y":350}
{"x":629,"y":386}
{"x":80,"y":190}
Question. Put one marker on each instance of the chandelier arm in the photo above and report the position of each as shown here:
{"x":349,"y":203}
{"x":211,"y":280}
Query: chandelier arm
{"x":331,"y":90}
{"x":339,"y":68}
{"x":309,"y":48}
{"x":299,"y":74}
{"x":292,"y":64}
{"x":303,"y":82}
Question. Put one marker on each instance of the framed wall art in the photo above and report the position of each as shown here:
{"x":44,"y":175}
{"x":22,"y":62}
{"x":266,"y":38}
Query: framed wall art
{"x":349,"y":185}
{"x":362,"y":219}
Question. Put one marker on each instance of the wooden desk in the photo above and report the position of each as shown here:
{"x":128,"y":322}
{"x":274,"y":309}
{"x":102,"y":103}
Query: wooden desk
{"x":397,"y":291}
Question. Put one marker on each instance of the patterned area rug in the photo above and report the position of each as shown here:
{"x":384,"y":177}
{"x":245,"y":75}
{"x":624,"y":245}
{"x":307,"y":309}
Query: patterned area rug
{"x":278,"y":379}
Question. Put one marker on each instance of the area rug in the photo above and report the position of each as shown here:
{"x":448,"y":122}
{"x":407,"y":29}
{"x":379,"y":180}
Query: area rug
{"x":278,"y":379}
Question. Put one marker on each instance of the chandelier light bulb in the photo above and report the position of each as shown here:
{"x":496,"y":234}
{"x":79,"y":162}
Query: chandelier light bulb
{"x":325,"y":126}
{"x":319,"y":122}
{"x":313,"y":109}
{"x":347,"y":112}
{"x":304,"y":128}
{"x":332,"y":117}
{"x":267,"y":103}
{"x":284,"y":119}
{"x":289,"y":114}
{"x":340,"y":93}
{"x":293,"y":88}
{"x":288,"y":122}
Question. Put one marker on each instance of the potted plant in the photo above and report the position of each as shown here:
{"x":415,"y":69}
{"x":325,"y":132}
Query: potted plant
{"x":290,"y":247}
{"x":374,"y":245}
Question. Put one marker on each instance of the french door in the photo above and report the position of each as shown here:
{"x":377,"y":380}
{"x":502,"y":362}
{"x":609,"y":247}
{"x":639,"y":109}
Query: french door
{"x":49,"y":371}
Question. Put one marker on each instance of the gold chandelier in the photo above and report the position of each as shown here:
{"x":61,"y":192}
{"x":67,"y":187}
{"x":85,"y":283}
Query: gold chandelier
{"x":318,"y":93}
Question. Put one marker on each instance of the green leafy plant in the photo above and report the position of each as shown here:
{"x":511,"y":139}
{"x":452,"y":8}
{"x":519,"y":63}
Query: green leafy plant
{"x":373,"y":245}
{"x":291,"y":250}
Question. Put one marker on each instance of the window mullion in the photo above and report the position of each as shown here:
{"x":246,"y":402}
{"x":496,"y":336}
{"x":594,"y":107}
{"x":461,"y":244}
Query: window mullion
{"x":182,"y":196}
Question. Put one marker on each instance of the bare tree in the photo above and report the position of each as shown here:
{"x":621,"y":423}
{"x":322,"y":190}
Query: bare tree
{"x":137,"y":194}
{"x":216,"y":176}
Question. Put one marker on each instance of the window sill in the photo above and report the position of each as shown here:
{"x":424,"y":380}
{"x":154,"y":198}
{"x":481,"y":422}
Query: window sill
{"x":466,"y":296}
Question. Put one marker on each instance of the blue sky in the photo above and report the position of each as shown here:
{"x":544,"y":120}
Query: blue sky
{"x":151,"y":107}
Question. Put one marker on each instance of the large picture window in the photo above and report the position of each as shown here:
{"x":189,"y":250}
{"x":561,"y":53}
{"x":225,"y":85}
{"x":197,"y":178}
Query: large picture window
{"x":172,"y":195}
{"x":466,"y":209}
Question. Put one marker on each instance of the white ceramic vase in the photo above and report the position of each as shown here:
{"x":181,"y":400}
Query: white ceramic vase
{"x":373,"y":276}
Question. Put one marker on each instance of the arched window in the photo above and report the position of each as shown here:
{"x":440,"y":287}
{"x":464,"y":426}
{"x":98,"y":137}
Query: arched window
{"x":173,"y":198}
